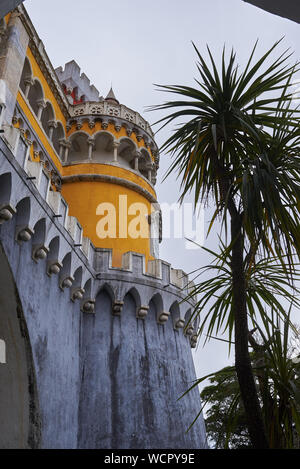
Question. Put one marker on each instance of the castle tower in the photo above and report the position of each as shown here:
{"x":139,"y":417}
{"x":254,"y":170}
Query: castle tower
{"x":110,"y":157}
{"x":97,"y":331}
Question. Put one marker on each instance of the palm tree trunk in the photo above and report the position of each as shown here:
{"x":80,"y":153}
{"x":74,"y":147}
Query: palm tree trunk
{"x":242,"y":358}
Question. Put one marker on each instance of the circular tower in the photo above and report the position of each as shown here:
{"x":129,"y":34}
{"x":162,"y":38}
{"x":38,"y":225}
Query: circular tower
{"x":110,"y":162}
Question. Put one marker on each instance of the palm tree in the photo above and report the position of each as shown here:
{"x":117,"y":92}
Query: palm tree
{"x":275,"y":370}
{"x":239,"y":146}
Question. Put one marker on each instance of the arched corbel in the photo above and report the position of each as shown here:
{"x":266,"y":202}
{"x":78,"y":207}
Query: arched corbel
{"x":117,"y":307}
{"x":77,"y":291}
{"x":194,"y":340}
{"x":88,"y":301}
{"x":142,"y":311}
{"x":24,"y":232}
{"x":65,"y":278}
{"x":163,"y":317}
{"x":39,"y":249}
{"x":54,"y":265}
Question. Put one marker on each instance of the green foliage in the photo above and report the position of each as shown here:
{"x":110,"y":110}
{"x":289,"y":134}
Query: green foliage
{"x":278,"y":380}
{"x":278,"y":377}
{"x":224,"y":428}
{"x":267,"y":285}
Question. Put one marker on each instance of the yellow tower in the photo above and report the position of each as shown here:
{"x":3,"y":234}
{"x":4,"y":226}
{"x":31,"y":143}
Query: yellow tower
{"x":101,"y":153}
{"x":110,"y":161}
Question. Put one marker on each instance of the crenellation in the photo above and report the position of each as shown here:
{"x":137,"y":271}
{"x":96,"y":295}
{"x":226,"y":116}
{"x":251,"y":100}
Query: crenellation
{"x":179,"y":278}
{"x":155,"y":268}
{"x":75,"y":229}
{"x":102,"y":259}
{"x":71,"y":77}
{"x":166,"y":273}
{"x":86,"y":247}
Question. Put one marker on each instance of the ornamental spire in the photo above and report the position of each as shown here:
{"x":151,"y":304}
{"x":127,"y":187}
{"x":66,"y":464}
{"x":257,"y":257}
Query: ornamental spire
{"x":111,"y":96}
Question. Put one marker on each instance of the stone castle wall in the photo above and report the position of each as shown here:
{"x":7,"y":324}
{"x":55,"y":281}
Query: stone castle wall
{"x":106,"y":353}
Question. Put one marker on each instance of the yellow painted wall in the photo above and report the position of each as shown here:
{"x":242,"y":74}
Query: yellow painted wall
{"x":83,"y":199}
{"x":37,"y":73}
{"x":36,"y":125}
{"x":110,"y":170}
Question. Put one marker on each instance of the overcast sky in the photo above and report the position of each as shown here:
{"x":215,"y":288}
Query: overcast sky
{"x":136,"y":43}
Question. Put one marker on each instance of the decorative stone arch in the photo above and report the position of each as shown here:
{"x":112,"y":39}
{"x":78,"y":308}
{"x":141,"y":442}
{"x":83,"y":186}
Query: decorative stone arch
{"x":127,"y":152}
{"x":20,"y":425}
{"x":39,"y":250}
{"x":79,"y":122}
{"x":88,"y":302}
{"x":48,"y":119}
{"x":102,"y":147}
{"x":88,"y":287}
{"x":109,"y":290}
{"x":79,"y":147}
{"x":54,"y":264}
{"x":24,"y":230}
{"x":130,"y":303}
{"x":8,"y":181}
{"x":58,"y":137}
{"x":77,"y":290}
{"x":7,"y":209}
{"x":36,"y":97}
{"x":140,"y":309}
{"x":5,"y":188}
{"x":145,"y":164}
{"x":157,"y":305}
{"x":86,"y":276}
{"x":94,"y":120}
{"x":188,"y":323}
{"x":178,"y":321}
{"x":26,"y":78}
{"x":135,"y":294}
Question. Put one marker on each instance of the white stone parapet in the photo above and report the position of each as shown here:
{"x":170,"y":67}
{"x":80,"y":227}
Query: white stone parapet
{"x":135,"y":263}
{"x":105,"y":108}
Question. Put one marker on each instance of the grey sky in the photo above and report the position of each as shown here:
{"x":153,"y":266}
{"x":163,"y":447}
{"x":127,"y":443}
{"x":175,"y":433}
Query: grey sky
{"x":133,"y":44}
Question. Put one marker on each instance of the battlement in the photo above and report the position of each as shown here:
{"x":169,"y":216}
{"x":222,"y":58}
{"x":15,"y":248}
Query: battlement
{"x":157,"y":269}
{"x":114,"y":112}
{"x":71,"y":77}
{"x":41,"y":217}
